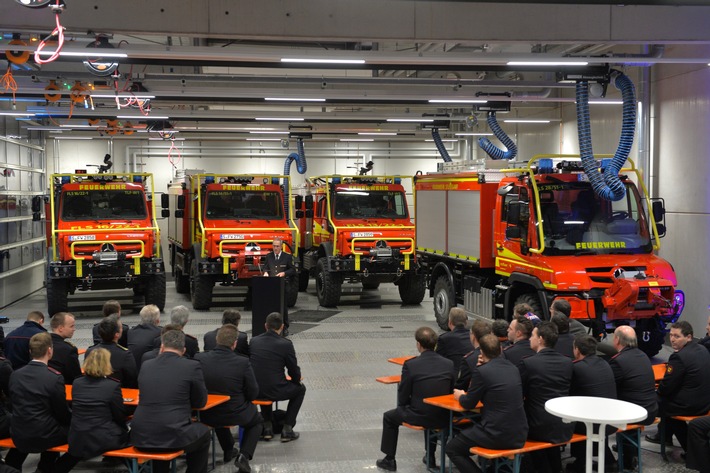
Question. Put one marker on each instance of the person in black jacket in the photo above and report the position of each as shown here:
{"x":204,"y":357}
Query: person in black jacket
{"x":122,"y":361}
{"x":40,"y":416}
{"x":17,"y":342}
{"x":479,"y":328}
{"x":427,"y":375}
{"x":171,"y":387}
{"x":519,"y":332}
{"x":457,"y":342}
{"x":5,"y":407}
{"x":546,"y":375}
{"x":179,"y":315}
{"x":232,"y":317}
{"x":112,"y":307}
{"x":98,"y":421}
{"x":65,"y":357}
{"x":278,"y":263}
{"x":565,"y":340}
{"x":142,"y":336}
{"x":591,"y":376}
{"x":270,"y":355}
{"x":226,"y":372}
{"x":496,"y":383}
{"x":699,"y":445}
{"x":705,"y":341}
{"x":685,"y":388}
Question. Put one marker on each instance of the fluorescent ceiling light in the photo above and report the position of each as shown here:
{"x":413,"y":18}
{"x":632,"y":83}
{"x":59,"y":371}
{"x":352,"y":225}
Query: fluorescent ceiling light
{"x":457,"y":101}
{"x":526,"y":121}
{"x":448,"y":141}
{"x":473,"y":134}
{"x":163,"y":139}
{"x":278,"y":119}
{"x":322,"y":61}
{"x":17,"y":114}
{"x":93,"y":52}
{"x":78,"y":126}
{"x":607,"y":102}
{"x":269,"y":132}
{"x":122,"y":96}
{"x":416,"y":120}
{"x":263,"y":139}
{"x":288,"y":99}
{"x":142,"y":117}
{"x":378,"y":134}
{"x":357,"y":139}
{"x":72,"y":137}
{"x":547,"y":63}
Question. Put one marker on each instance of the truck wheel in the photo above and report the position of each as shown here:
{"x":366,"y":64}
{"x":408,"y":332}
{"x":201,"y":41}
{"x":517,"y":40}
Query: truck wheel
{"x":650,"y":336}
{"x":182,"y":282}
{"x":291,"y":291}
{"x":371,"y":285}
{"x":303,"y":278}
{"x":200,"y":289}
{"x":412,"y":289}
{"x":327,"y":285}
{"x":57,"y":296}
{"x":444,"y":300}
{"x":533,"y":301}
{"x":155,"y":290}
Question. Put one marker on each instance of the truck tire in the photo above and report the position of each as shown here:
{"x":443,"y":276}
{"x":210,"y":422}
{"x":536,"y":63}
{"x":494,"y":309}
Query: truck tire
{"x":182,"y":282}
{"x":155,"y":290}
{"x":412,"y":289}
{"x":200,"y":289}
{"x":444,"y":300}
{"x":533,"y":301}
{"x":327,"y":285}
{"x":650,"y":336}
{"x":303,"y":278}
{"x":371,"y":285}
{"x":57,"y":296}
{"x":291,"y":291}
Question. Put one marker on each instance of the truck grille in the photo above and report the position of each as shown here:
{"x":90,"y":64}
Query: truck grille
{"x":131,"y":250}
{"x":605,"y":275}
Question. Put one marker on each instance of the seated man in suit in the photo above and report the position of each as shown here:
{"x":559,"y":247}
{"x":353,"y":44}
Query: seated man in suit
{"x":479,"y":328}
{"x":229,"y":317}
{"x":112,"y":307}
{"x":425,"y":376}
{"x":65,"y":358}
{"x":122,"y":361}
{"x":456,"y":343}
{"x":519,"y":332}
{"x":142,"y":336}
{"x":179,"y":315}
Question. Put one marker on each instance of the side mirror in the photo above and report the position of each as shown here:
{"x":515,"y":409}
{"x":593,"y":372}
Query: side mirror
{"x":300,"y":213}
{"x":512,"y":233}
{"x":36,"y":216}
{"x":309,"y":213}
{"x":309,"y":201}
{"x":165,"y":213}
{"x":179,"y":213}
{"x":661,"y":230}
{"x":37,"y":203}
{"x":505,"y":190}
{"x":513,"y":214}
{"x":659,"y":210}
{"x":181,"y":203}
{"x":165,"y":201}
{"x":298,"y":201}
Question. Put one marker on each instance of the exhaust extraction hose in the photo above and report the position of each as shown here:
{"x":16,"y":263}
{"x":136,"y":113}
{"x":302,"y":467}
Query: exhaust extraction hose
{"x":301,"y":166}
{"x":492,"y":150}
{"x":440,"y":145}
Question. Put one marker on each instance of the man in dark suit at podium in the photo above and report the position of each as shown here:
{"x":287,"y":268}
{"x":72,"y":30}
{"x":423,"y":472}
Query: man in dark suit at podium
{"x":280,"y":264}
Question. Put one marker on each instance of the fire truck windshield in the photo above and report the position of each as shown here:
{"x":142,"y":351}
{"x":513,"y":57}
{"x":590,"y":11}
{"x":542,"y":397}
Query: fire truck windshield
{"x":576,"y":221}
{"x":103,"y":204}
{"x":364,"y":203}
{"x":244,"y":204}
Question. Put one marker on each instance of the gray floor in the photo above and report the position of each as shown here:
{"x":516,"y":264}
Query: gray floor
{"x":340,"y":357}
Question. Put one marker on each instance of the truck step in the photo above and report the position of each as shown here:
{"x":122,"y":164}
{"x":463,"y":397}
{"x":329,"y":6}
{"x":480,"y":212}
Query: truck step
{"x":502,"y":287}
{"x":499,"y":306}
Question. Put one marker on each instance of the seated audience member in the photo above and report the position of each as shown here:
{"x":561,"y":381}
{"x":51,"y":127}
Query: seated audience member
{"x":271,"y":353}
{"x":171,"y":387}
{"x":17,"y":342}
{"x":112,"y":307}
{"x":142,"y":336}
{"x":229,"y":317}
{"x":698,"y":457}
{"x":500,"y":330}
{"x":565,"y":340}
{"x":575,"y":326}
{"x":5,"y":407}
{"x":591,"y":376}
{"x":546,"y":375}
{"x":519,"y":332}
{"x":153,"y":354}
{"x":456,"y":343}
{"x":705,"y":341}
{"x":65,"y":357}
{"x":122,"y":361}
{"x":98,"y":421}
{"x":179,"y":315}
{"x":685,"y":388}
{"x":228,"y":373}
{"x":479,"y":328}
{"x":496,"y":383}
{"x":427,"y":375}
{"x":40,"y":416}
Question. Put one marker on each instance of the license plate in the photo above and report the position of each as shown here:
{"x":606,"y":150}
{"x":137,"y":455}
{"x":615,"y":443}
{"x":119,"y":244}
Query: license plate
{"x":231,"y":236}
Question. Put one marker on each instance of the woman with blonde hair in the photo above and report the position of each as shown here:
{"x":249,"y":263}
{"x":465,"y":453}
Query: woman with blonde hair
{"x":98,"y":414}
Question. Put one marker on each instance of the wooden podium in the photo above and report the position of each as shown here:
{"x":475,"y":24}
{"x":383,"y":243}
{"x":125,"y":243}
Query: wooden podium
{"x":268,"y":295}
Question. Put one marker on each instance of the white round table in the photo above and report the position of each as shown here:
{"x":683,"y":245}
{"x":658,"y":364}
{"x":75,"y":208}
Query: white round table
{"x":593,"y":411}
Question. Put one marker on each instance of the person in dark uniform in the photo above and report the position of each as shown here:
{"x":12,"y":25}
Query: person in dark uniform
{"x":519,"y":332}
{"x":270,"y":355}
{"x":427,"y":375}
{"x":457,"y":342}
{"x":228,"y":373}
{"x":546,"y":375}
{"x":179,"y":315}
{"x":497,"y":384}
{"x":575,"y":326}
{"x":500,"y":330}
{"x":98,"y":421}
{"x":171,"y":387}
{"x":565,"y":340}
{"x":698,"y":457}
{"x":685,"y":388}
{"x":65,"y":357}
{"x":229,"y":317}
{"x":142,"y":336}
{"x":280,"y":264}
{"x":5,"y":407}
{"x":634,"y":379}
{"x":112,"y":307}
{"x":122,"y":361}
{"x":591,"y":376}
{"x":479,"y":328}
{"x":705,"y":341}
{"x":40,"y":416}
{"x":17,"y":342}
{"x":153,"y":354}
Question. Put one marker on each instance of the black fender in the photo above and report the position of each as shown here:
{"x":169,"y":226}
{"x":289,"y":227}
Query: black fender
{"x":521,"y":283}
{"x":325,"y":249}
{"x":441,"y":269}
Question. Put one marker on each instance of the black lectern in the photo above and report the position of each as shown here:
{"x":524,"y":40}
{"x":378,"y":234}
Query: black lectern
{"x":267,"y":297}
